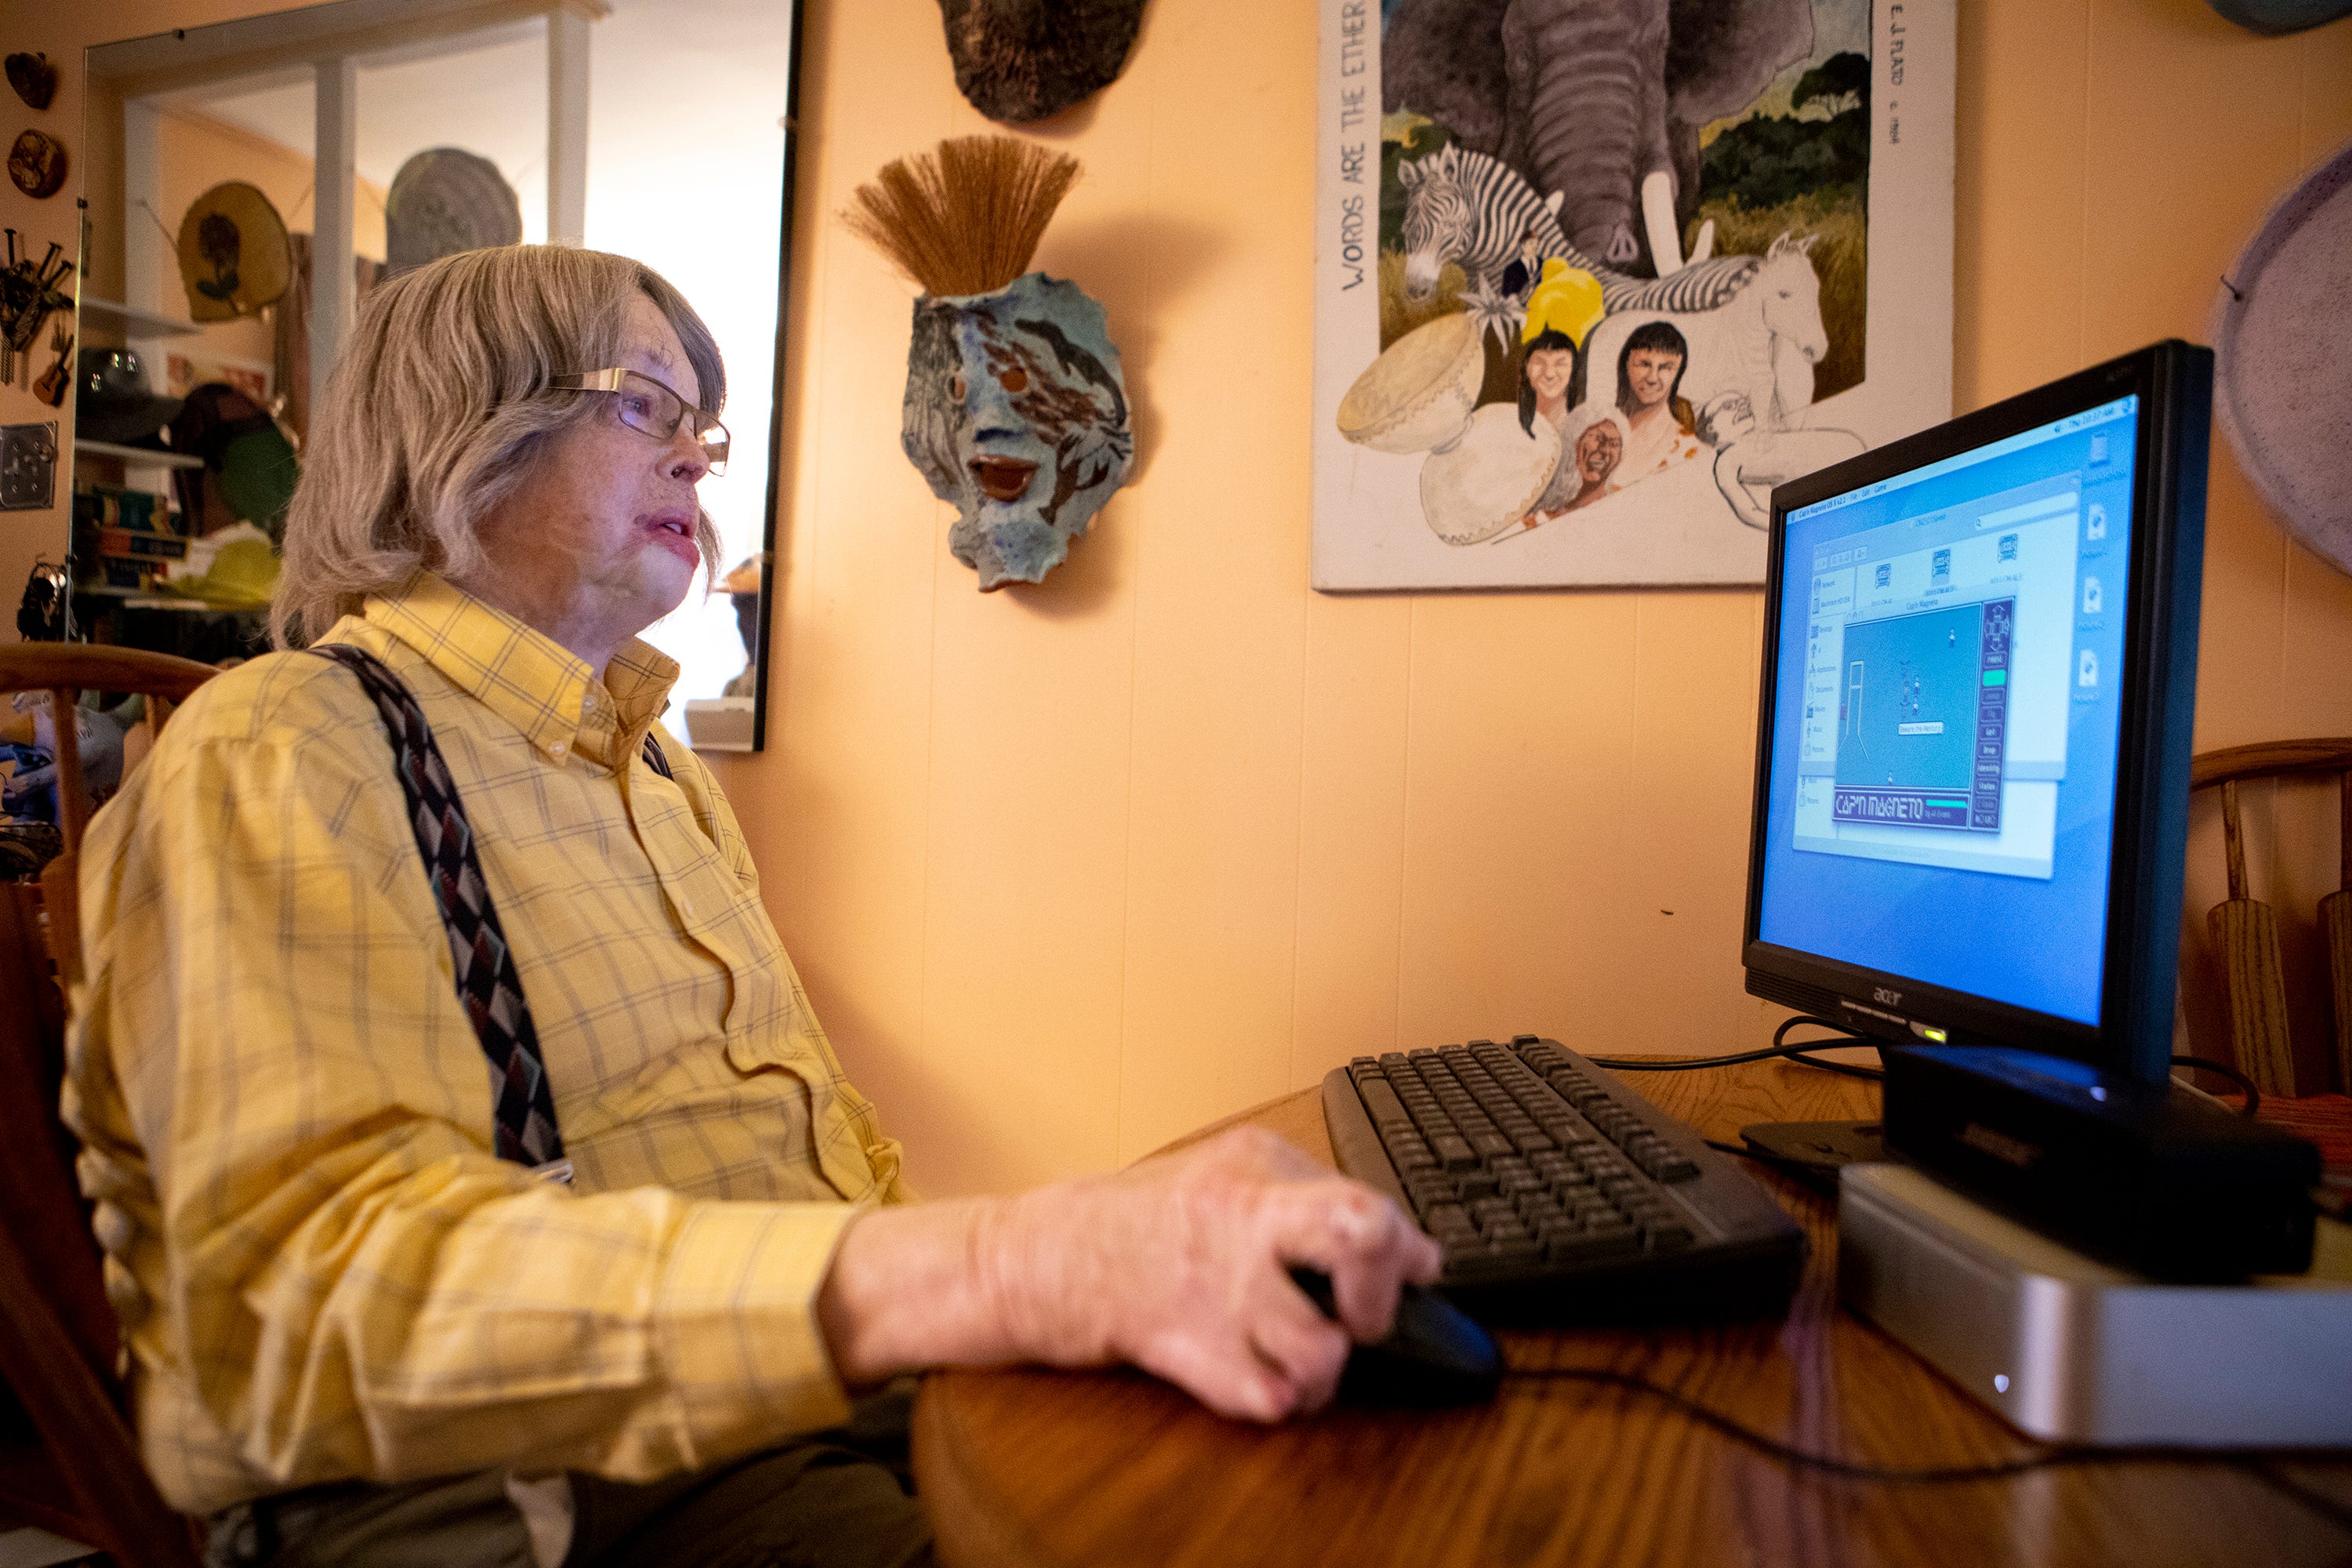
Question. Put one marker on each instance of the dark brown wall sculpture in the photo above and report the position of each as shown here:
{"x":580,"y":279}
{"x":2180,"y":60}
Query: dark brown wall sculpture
{"x":1025,"y":60}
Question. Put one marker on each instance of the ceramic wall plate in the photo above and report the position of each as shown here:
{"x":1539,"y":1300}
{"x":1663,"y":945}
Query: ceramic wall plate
{"x":2274,"y":18}
{"x":34,"y":78}
{"x":445,"y":200}
{"x":2283,"y":380}
{"x":37,"y":163}
{"x":233,"y":251}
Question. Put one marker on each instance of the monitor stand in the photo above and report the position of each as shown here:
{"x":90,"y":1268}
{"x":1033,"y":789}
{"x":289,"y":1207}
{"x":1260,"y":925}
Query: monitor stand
{"x":1815,"y":1151}
{"x":2070,"y":1349}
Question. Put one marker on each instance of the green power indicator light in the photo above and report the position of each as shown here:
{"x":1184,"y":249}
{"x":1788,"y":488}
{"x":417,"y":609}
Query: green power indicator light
{"x":1932,"y":1033}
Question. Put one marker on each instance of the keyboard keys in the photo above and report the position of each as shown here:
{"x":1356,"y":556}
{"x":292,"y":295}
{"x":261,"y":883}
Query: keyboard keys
{"x":1521,"y":1162}
{"x":1387,"y":1110}
{"x":1428,"y":1190}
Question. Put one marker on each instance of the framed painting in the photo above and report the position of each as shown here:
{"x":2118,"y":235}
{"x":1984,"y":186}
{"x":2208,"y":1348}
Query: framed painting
{"x":1593,"y":276}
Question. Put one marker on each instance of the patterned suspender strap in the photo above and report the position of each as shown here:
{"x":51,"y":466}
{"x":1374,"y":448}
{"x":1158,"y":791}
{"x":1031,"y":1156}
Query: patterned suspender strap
{"x":487,"y":982}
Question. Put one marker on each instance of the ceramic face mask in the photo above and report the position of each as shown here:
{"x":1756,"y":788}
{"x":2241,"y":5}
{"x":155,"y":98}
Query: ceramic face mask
{"x":1016,"y":411}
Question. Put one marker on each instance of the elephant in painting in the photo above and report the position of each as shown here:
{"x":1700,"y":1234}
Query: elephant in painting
{"x":1601,"y":100}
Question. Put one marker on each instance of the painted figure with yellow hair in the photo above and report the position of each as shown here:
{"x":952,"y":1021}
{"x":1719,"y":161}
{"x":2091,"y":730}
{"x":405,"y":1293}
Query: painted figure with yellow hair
{"x":1562,"y":310}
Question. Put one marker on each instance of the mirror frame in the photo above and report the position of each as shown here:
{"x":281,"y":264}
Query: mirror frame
{"x":762,"y":653}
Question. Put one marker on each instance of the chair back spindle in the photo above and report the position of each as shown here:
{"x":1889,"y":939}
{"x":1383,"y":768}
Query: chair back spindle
{"x":2245,"y":931}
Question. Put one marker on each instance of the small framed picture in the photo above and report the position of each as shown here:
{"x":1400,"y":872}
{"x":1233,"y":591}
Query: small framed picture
{"x":28,"y":466}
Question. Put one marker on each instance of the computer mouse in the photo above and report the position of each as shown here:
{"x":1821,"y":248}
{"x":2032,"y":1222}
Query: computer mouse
{"x":1435,"y":1354}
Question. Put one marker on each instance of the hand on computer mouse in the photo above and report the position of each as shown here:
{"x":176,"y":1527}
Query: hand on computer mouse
{"x":1435,"y":1354}
{"x":1179,"y":1265}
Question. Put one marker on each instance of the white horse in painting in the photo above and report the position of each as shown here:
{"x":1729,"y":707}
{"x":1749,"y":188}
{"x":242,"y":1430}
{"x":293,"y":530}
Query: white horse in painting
{"x":1749,"y":377}
{"x":1753,"y":354}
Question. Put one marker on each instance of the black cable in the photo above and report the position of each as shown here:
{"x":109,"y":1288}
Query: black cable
{"x":1795,"y":1053}
{"x":2253,"y":1095}
{"x":1929,"y":1475}
{"x":1805,"y":1458}
{"x":1844,"y":1069}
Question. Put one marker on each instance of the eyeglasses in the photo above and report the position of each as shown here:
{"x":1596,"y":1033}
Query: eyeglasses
{"x":648,"y":406}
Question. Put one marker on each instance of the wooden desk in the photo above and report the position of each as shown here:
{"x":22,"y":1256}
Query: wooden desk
{"x":1025,"y":1468}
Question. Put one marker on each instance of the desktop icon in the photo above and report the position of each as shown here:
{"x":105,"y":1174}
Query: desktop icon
{"x":2091,"y":597}
{"x":2099,"y":448}
{"x":2097,"y":528}
{"x":2009,"y":547}
{"x":1885,"y":574}
{"x":1943,"y":565}
{"x":2089,"y":673}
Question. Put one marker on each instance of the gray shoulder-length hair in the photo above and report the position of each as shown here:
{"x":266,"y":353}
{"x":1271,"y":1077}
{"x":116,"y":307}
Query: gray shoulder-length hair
{"x":439,"y":407}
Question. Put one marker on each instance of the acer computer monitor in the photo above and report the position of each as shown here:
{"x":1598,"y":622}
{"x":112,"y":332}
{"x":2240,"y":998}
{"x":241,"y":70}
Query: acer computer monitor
{"x":1972,"y":756}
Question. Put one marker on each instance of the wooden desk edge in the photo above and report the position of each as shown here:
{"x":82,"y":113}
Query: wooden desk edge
{"x":974,"y":1527}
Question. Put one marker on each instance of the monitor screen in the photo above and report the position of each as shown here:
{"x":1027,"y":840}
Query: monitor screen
{"x":1945,"y":718}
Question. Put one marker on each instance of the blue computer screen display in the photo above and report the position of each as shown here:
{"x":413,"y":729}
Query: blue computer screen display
{"x":1945,"y":716}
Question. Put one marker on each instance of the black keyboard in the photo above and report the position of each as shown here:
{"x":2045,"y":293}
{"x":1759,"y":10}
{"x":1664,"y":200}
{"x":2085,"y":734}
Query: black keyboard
{"x":1559,"y":1194}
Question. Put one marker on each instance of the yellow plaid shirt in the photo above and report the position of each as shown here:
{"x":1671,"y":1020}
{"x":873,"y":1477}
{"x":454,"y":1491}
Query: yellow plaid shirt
{"x":321,"y":1270}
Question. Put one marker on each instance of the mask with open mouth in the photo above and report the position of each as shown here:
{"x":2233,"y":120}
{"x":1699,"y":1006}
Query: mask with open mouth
{"x":1016,"y":411}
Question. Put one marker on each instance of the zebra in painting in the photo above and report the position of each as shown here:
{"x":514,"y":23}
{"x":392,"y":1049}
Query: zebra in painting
{"x":1468,"y":209}
{"x":1474,"y":210}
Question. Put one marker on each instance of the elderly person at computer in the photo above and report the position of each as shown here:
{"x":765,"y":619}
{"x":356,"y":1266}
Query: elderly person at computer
{"x":366,"y":1326}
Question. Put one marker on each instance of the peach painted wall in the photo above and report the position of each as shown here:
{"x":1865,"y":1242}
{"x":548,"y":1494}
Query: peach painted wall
{"x":1071,"y":869}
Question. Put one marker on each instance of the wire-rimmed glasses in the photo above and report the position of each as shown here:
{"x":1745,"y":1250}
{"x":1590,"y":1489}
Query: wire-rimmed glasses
{"x":646,"y":406}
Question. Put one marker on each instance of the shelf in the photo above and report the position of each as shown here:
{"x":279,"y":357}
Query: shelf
{"x":139,"y":456}
{"x":108,"y":315}
{"x":137,"y":598}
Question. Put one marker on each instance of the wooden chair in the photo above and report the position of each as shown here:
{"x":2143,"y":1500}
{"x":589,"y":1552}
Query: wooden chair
{"x":2245,"y":931}
{"x":59,"y":1349}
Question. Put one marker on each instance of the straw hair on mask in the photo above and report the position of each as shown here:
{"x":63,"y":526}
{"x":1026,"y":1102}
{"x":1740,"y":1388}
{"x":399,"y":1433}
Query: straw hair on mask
{"x":967,"y":218}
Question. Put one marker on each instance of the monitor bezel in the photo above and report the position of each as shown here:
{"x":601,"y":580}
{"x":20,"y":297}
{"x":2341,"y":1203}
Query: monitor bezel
{"x":2133,"y":1039}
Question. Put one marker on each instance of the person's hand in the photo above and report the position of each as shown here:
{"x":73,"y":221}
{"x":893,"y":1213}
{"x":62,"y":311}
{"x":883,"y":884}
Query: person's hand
{"x":1179,"y":1265}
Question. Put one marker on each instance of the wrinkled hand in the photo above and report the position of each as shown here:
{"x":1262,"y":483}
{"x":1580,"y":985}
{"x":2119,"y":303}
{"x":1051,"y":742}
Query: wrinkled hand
{"x":1179,"y":1264}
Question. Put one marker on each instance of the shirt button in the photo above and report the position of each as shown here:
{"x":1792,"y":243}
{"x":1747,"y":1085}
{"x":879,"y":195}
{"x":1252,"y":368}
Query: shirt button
{"x":558,"y":750}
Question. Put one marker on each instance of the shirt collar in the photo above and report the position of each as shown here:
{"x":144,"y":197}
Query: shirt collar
{"x":527,"y":678}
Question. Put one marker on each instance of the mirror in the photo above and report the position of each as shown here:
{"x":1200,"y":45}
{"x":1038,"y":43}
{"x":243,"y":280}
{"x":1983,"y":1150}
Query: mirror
{"x":379,"y":132}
